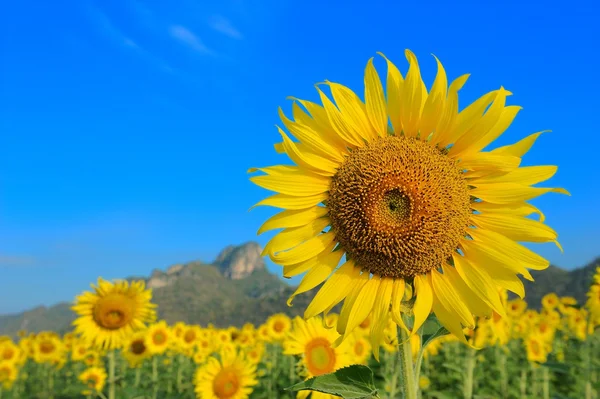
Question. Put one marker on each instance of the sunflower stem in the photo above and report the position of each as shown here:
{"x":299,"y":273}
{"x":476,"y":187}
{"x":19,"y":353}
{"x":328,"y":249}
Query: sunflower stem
{"x":469,"y":375}
{"x":501,"y":358}
{"x":179,"y":372}
{"x":523,"y":384}
{"x":154,"y":377}
{"x":111,"y":374}
{"x":546,"y":383}
{"x":405,"y":365}
{"x":138,"y":376}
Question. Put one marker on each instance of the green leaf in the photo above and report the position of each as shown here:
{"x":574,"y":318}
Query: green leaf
{"x":352,"y":382}
{"x":432,"y":329}
{"x":560,"y":368}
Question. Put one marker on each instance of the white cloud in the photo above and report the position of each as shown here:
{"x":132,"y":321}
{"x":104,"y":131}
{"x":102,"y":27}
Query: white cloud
{"x":16,"y":260}
{"x":187,"y":37}
{"x":224,"y":26}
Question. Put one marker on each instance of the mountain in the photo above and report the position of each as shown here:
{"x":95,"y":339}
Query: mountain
{"x":237,"y":288}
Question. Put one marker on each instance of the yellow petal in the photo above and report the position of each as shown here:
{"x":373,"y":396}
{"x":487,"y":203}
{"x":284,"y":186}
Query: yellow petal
{"x":486,"y":160}
{"x":291,"y":237}
{"x":316,"y":163}
{"x":336,"y":288}
{"x":413,"y":97}
{"x":279,"y":148}
{"x":476,"y":305}
{"x":352,"y":110}
{"x":448,"y":320}
{"x":393,"y":86}
{"x":506,"y":193}
{"x":473,"y":139}
{"x":469,"y":116}
{"x":360,"y":309}
{"x":433,"y":110}
{"x":521,"y":147}
{"x":290,"y":271}
{"x":304,"y":251}
{"x":357,"y":285}
{"x":318,"y":273}
{"x":450,"y":299}
{"x":375,"y":101}
{"x":479,"y":281}
{"x":516,"y":251}
{"x":516,"y":209}
{"x":527,"y":175}
{"x":381,"y":311}
{"x":318,"y":123}
{"x":423,"y":301}
{"x":300,"y":185}
{"x":339,"y":123}
{"x":397,"y":296}
{"x":292,"y":218}
{"x":445,"y":129}
{"x":284,"y":201}
{"x":515,"y":227}
{"x":311,"y":139}
{"x":482,"y":252}
{"x":506,"y":279}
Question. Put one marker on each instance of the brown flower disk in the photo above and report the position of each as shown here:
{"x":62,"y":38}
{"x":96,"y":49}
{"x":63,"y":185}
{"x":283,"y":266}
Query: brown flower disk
{"x":399,"y":207}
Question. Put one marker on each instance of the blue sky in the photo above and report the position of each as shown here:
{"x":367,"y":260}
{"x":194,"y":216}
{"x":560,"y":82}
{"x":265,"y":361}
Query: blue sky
{"x":127,"y":127}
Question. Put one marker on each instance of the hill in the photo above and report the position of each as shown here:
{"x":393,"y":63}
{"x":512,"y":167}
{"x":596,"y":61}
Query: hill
{"x":237,"y":288}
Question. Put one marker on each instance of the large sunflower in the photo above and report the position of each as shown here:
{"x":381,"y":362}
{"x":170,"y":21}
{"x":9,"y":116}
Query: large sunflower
{"x":399,"y":184}
{"x":112,"y":312}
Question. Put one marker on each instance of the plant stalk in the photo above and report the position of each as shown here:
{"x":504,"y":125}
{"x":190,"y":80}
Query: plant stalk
{"x":408,"y":384}
{"x":111,"y":374}
{"x":469,"y":375}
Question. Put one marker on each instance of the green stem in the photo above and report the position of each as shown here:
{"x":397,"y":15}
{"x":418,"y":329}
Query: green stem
{"x":51,"y":382}
{"x":393,"y":369}
{"x":405,"y":363}
{"x":546,"y":383}
{"x":138,"y":376}
{"x":523,"y":384}
{"x":470,"y":370}
{"x":111,"y":375}
{"x":179,"y":380}
{"x":154,"y":377}
{"x":534,"y":376}
{"x":501,"y":356}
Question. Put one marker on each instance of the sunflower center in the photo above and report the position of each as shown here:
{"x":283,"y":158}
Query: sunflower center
{"x":114,"y":311}
{"x":92,"y":380}
{"x":47,"y":347}
{"x":8,"y":354}
{"x":159,"y":338}
{"x":399,"y":207}
{"x":535,"y":348}
{"x":359,"y":348}
{"x":137,"y":347}
{"x":189,"y":337}
{"x":278,"y":326}
{"x":320,"y":356}
{"x":226,"y":384}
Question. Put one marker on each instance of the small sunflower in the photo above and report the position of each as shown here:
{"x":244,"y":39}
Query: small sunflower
{"x":47,"y":348}
{"x":230,"y":378}
{"x":9,"y":352}
{"x":516,"y":307}
{"x":189,"y":336}
{"x":279,"y":325}
{"x":112,"y":312}
{"x":316,"y":346}
{"x":593,"y":301}
{"x":158,"y":338}
{"x":135,"y":350}
{"x":94,"y":378}
{"x":78,"y":351}
{"x":399,"y":186}
{"x":8,"y":375}
{"x":537,"y":349}
{"x":360,"y":349}
{"x":550,"y":301}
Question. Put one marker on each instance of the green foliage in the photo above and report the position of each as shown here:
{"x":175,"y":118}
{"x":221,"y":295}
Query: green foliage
{"x":353,"y":382}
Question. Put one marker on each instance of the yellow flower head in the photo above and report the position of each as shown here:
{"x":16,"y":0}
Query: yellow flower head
{"x":232,"y":377}
{"x":94,"y":378}
{"x":279,"y":325}
{"x":9,"y":352}
{"x":397,"y":189}
{"x":112,"y":312}
{"x":516,"y":307}
{"x":537,"y":349}
{"x":158,"y":338}
{"x":550,"y":301}
{"x":135,"y":349}
{"x":8,"y":375}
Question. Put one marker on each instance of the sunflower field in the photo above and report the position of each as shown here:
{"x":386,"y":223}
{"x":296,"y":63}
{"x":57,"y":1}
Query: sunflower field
{"x":551,"y":353}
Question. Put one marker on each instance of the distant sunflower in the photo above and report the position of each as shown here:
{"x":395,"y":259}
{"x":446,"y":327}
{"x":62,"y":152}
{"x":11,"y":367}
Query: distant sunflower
{"x":135,"y":349}
{"x":230,"y":378}
{"x":189,"y":336}
{"x":279,"y":325}
{"x":94,"y":378}
{"x":9,"y":352}
{"x":158,"y":338}
{"x":8,"y":375}
{"x":112,"y":312}
{"x":399,"y":184}
{"x":315,"y":345}
{"x":537,"y":349}
{"x":593,"y":301}
{"x":47,"y":348}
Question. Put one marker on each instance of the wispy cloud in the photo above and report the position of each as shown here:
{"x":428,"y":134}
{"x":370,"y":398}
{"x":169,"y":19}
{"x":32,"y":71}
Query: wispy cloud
{"x":16,"y":260}
{"x":188,"y":37}
{"x":223,"y":25}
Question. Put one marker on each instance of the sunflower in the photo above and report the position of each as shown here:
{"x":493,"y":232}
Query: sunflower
{"x":279,"y":325}
{"x":593,"y":301}
{"x":399,"y":186}
{"x":230,"y":378}
{"x":94,"y":378}
{"x":78,"y":351}
{"x":550,"y":301}
{"x":9,"y":352}
{"x":537,"y":349}
{"x":158,"y":338}
{"x":316,"y":346}
{"x":8,"y":375}
{"x":189,"y":336}
{"x":112,"y":312}
{"x":516,"y":307}
{"x":92,"y":358}
{"x":47,"y":348}
{"x":360,"y":349}
{"x":135,"y":349}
